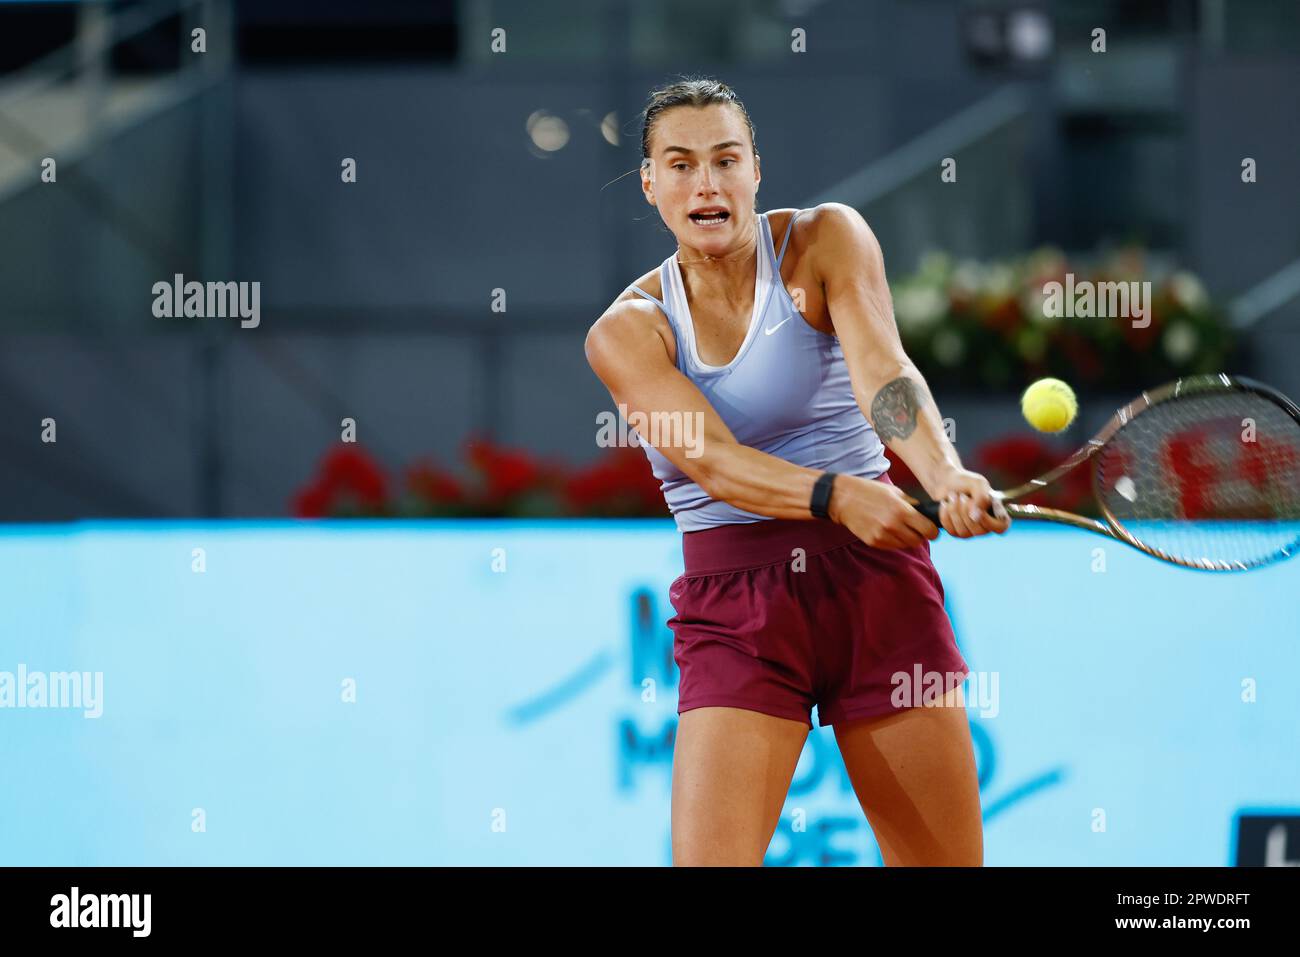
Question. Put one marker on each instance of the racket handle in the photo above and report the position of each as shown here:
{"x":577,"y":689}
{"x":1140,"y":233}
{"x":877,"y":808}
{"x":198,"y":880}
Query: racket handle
{"x":930,"y":509}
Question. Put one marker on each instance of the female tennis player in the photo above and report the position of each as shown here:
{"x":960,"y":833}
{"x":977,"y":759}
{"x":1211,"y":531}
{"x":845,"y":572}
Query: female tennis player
{"x":807,"y":573}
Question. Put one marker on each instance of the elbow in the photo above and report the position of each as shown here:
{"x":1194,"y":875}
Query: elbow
{"x":714,"y":487}
{"x":890,"y":369}
{"x":884,"y":374}
{"x":703,"y":474}
{"x":712,"y":476}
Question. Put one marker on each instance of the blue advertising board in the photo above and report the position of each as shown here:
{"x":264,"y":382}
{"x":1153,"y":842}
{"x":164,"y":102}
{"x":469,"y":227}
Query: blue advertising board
{"x":503,"y":693}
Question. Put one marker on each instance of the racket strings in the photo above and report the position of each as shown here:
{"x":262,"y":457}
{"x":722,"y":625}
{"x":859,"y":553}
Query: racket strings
{"x":1208,"y":479}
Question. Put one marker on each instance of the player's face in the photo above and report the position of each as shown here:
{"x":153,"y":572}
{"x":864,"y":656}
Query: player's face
{"x":702,"y":176}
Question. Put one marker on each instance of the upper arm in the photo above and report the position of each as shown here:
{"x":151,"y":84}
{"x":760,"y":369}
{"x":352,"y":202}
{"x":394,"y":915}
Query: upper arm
{"x":628,"y":354}
{"x":848,"y":262}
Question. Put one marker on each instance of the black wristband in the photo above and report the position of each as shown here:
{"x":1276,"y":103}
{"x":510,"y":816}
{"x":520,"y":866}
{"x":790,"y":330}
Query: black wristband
{"x":821,"y":495}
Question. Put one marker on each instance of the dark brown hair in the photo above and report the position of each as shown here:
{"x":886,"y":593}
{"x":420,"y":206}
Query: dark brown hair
{"x":690,"y":91}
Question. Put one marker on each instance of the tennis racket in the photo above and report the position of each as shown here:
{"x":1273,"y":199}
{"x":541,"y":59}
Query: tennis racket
{"x":1203,"y":472}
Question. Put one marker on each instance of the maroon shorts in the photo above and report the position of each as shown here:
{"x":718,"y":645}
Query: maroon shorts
{"x":759,"y":627}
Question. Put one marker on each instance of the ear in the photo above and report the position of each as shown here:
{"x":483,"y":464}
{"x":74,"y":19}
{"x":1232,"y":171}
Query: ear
{"x":648,"y":181}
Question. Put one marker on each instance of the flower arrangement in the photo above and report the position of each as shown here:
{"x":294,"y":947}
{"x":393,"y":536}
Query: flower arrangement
{"x":501,"y":482}
{"x":498,"y":482}
{"x":989,"y":325}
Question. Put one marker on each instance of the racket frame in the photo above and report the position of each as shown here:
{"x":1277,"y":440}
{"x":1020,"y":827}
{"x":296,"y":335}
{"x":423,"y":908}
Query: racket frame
{"x":1113,"y":527}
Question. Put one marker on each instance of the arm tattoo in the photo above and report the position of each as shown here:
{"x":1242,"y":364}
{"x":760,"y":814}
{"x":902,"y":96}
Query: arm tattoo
{"x":894,"y":409}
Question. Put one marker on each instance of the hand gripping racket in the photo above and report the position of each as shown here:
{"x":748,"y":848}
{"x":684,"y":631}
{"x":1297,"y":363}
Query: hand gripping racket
{"x":1203,"y":472}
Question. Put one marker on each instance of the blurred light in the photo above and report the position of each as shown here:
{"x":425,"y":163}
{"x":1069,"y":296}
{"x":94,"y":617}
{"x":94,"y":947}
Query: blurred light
{"x":549,"y":133}
{"x":609,"y":128}
{"x":1014,"y":37}
{"x":1029,"y":34}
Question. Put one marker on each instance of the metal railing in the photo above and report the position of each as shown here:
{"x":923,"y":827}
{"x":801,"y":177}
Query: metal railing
{"x":1266,"y":297}
{"x":67,"y":101}
{"x":912,"y":210}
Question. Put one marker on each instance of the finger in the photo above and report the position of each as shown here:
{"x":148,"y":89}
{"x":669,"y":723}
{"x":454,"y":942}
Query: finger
{"x":983,"y":523}
{"x":980,"y":503}
{"x":907,"y":539}
{"x":911,"y":538}
{"x":916,"y":523}
{"x":959,"y":525}
{"x":1003,"y":520}
{"x":996,"y":518}
{"x":899,"y":526}
{"x":948,"y":515}
{"x":880,"y":537}
{"x":887,"y":539}
{"x":946,"y":518}
{"x":962,"y":512}
{"x":961,"y":515}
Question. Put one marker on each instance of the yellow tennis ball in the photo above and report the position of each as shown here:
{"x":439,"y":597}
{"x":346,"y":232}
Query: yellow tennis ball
{"x":1049,"y":405}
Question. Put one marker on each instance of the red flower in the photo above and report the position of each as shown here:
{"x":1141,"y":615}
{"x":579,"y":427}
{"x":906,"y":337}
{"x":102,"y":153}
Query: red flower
{"x":313,"y":501}
{"x":349,"y":469}
{"x":620,"y":483}
{"x":348,"y":474}
{"x":433,"y":484}
{"x":506,"y":473}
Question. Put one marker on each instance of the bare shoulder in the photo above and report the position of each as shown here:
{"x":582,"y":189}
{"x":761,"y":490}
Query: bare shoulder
{"x":821,"y":222}
{"x":631,"y":324}
{"x":821,"y":234}
{"x":837,"y":242}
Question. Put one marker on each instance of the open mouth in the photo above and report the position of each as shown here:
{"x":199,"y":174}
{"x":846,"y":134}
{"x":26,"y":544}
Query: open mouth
{"x":710,"y":217}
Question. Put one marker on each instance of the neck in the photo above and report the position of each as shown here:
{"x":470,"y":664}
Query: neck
{"x":734,"y":265}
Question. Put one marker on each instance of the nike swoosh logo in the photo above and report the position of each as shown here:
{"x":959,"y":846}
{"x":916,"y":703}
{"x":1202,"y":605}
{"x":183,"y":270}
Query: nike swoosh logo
{"x":768,"y":332}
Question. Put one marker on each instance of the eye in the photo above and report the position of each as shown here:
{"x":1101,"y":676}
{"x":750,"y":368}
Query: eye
{"x":729,"y":160}
{"x":679,"y":166}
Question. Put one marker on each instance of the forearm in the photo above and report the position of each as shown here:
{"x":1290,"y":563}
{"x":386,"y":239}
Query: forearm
{"x":758,"y":482}
{"x":904,"y":414}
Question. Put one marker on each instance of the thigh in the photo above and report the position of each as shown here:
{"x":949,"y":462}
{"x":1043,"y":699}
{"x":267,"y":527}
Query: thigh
{"x":731,"y":773}
{"x":914,"y":774}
